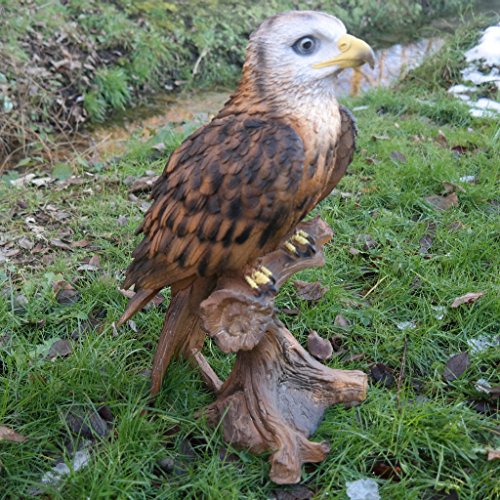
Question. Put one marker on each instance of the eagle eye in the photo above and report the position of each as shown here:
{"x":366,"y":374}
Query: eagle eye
{"x":306,"y":45}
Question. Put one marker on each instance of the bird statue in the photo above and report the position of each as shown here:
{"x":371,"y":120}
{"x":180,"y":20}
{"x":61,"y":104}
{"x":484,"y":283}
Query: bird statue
{"x":237,"y":187}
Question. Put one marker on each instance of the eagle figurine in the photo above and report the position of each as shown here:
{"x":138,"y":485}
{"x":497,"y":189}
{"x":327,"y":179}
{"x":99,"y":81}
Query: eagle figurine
{"x":237,"y":187}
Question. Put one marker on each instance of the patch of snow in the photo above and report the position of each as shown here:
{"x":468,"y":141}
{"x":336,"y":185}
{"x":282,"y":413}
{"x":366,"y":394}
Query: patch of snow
{"x":474,"y":75}
{"x":488,"y":48}
{"x":482,"y":385}
{"x":468,"y":178}
{"x":487,"y":104}
{"x":440,"y":311}
{"x":363,"y":489}
{"x":460,"y":89}
{"x":80,"y":460}
{"x":482,"y":113}
{"x":406,"y":325}
{"x":482,"y":343}
{"x":484,"y":67}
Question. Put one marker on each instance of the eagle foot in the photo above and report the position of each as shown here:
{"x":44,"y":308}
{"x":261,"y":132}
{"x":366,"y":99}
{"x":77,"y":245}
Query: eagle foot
{"x":301,"y":244}
{"x":261,"y":280}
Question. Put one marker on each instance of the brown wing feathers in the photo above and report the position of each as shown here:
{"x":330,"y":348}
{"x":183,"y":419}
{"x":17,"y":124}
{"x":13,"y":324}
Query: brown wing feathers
{"x":225,"y":195}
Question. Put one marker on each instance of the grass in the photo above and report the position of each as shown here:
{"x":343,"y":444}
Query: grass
{"x":430,"y":428}
{"x":66,"y":63}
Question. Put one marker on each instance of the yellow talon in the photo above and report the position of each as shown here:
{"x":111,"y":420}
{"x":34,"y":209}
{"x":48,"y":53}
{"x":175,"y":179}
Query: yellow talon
{"x":260,"y":278}
{"x":300,"y":239}
{"x":290,"y":247}
{"x":251,"y":282}
{"x":266,"y":271}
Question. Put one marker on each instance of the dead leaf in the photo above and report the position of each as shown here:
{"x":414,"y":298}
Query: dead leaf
{"x":386,"y":470}
{"x":165,"y":466}
{"x":460,"y":150}
{"x":484,"y":407}
{"x":319,"y":347}
{"x":122,"y":220}
{"x":142,"y":184}
{"x":406,"y":325}
{"x":468,"y":298}
{"x":456,"y":226}
{"x":482,"y":385}
{"x":106,"y":413}
{"x":42,"y":181}
{"x":56,"y":474}
{"x":443,"y":202}
{"x":367,"y":241}
{"x":382,"y":373}
{"x":10,"y":435}
{"x":88,"y":424}
{"x":93,"y":264}
{"x":66,"y":297}
{"x":228,"y":456}
{"x":60,"y":349}
{"x":80,"y":244}
{"x":425,"y":244}
{"x":337,"y":342}
{"x":20,"y":303}
{"x":95,"y":261}
{"x":470,"y":179}
{"x":297,"y":492}
{"x":372,"y":160}
{"x":155,"y":301}
{"x":126,"y":293}
{"x":354,"y":251}
{"x":25,"y":243}
{"x":398,"y":157}
{"x":450,"y":187}
{"x":495,"y":392}
{"x":441,"y":138}
{"x":427,"y":239}
{"x":493,"y":455}
{"x":350,"y":358}
{"x":341,"y":322}
{"x":290,"y":311}
{"x":186,"y":448}
{"x":60,"y":244}
{"x":456,"y":366}
{"x":65,"y":292}
{"x":310,"y":292}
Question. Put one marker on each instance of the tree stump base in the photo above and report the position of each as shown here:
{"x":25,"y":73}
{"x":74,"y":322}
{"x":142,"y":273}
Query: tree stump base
{"x":276,"y":394}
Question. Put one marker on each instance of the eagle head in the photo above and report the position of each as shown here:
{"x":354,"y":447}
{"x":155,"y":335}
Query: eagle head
{"x":302,"y":52}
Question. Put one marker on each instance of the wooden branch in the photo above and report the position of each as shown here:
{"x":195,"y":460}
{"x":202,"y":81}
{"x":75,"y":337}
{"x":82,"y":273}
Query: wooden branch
{"x":276,"y":394}
{"x":275,"y":398}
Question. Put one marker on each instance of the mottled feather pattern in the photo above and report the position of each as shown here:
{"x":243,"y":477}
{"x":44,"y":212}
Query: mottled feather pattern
{"x":223,"y":197}
{"x":230,"y":193}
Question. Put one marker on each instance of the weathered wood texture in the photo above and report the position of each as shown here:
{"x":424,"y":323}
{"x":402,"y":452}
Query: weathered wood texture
{"x":276,"y":394}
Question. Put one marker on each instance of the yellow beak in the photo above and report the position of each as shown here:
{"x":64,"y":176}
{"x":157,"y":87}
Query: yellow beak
{"x":353,"y":53}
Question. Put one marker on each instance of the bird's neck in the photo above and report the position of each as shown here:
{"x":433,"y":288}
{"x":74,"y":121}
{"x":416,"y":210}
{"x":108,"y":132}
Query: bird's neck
{"x":315,"y":107}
